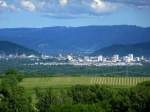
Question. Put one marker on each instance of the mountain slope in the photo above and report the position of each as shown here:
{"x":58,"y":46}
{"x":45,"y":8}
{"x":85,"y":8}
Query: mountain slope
{"x":140,"y":49}
{"x":12,"y":48}
{"x":75,"y":39}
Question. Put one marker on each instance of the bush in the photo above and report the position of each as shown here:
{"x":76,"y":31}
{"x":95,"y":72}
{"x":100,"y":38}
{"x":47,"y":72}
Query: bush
{"x":12,"y":96}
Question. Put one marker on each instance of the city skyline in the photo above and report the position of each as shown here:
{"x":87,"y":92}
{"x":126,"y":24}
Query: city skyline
{"x":48,"y":13}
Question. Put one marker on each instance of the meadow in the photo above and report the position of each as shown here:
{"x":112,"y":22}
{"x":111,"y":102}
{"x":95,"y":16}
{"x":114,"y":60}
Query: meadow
{"x":68,"y":81}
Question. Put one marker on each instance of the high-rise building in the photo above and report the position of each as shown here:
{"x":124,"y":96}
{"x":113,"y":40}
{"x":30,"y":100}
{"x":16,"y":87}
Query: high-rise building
{"x":131,"y":57}
{"x":100,"y":58}
{"x":69,"y":57}
{"x":115,"y":58}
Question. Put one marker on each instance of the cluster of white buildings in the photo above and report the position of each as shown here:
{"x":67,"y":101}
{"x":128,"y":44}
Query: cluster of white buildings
{"x":100,"y":60}
{"x":16,"y":56}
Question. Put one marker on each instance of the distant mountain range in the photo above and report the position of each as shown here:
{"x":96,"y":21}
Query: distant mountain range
{"x":12,"y":48}
{"x":79,"y":40}
{"x":140,"y":49}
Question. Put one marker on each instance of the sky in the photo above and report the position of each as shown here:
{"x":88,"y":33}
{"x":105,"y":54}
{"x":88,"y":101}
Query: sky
{"x":48,"y":13}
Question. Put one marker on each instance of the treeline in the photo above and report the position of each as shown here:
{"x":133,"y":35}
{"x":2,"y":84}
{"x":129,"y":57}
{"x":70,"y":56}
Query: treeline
{"x":87,"y":70}
{"x":41,"y":70}
{"x":79,"y":98}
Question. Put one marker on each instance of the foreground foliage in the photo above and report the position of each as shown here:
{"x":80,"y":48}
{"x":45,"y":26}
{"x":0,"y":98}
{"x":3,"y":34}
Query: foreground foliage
{"x":79,"y":98}
{"x":96,"y":99}
{"x":12,"y":96}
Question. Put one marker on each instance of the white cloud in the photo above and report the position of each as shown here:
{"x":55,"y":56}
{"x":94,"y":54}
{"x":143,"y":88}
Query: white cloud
{"x":100,"y":6}
{"x":68,"y":8}
{"x":5,"y":5}
{"x":28,"y":5}
{"x":63,"y":2}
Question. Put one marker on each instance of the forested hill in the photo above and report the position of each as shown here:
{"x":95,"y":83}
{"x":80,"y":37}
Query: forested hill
{"x":140,"y":49}
{"x":13,"y":48}
{"x":75,"y":39}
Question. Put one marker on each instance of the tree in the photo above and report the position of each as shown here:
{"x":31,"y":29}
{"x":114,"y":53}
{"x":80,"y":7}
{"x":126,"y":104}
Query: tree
{"x":45,"y":100}
{"x":141,"y":97}
{"x":13,"y":97}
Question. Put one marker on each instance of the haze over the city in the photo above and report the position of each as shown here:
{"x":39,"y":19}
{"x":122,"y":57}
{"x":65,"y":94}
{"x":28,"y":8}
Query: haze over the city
{"x":46,"y":13}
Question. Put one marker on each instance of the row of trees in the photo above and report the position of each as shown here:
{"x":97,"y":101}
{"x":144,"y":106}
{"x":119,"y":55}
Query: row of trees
{"x":75,"y":70}
{"x":13,"y":98}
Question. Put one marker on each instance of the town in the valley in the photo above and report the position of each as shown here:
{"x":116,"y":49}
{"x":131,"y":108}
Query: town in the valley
{"x":99,"y":60}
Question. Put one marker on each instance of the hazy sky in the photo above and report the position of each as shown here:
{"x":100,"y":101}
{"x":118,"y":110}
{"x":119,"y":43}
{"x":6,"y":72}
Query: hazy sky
{"x":45,"y":13}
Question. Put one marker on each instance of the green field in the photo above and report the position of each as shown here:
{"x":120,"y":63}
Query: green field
{"x":63,"y":82}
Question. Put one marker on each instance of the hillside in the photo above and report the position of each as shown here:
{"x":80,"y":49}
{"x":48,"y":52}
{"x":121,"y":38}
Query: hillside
{"x":75,"y":39}
{"x":139,"y":49}
{"x":12,"y":48}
